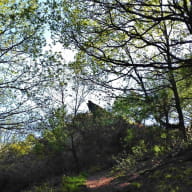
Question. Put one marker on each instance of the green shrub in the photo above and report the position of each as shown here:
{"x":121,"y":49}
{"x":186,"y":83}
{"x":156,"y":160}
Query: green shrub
{"x":129,"y":160}
{"x":142,"y":143}
{"x":72,"y":184}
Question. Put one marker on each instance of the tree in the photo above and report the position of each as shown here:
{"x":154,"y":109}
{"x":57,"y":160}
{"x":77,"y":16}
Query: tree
{"x":79,"y":91}
{"x":133,"y":108}
{"x":24,"y":69}
{"x":126,"y":40}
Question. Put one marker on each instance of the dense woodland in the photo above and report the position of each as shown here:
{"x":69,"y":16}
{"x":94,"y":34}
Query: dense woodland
{"x":88,"y":86}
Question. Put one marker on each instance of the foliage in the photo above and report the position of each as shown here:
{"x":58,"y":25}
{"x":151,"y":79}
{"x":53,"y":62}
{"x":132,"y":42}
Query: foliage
{"x":128,"y":161}
{"x":67,"y":184}
{"x":51,"y":143}
{"x":21,"y":34}
{"x":172,"y":178}
{"x":21,"y":148}
{"x":11,"y":151}
{"x":133,"y":107}
{"x":53,"y":133}
{"x":72,"y":184}
{"x":103,"y":133}
{"x":143,"y":145}
{"x":131,"y":46}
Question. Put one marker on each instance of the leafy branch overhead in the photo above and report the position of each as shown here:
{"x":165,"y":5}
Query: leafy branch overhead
{"x":21,"y":34}
{"x":139,"y":46}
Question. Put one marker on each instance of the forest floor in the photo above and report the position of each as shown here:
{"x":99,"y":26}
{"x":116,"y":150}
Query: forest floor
{"x":170,"y":175}
{"x":100,"y":182}
{"x":104,"y":181}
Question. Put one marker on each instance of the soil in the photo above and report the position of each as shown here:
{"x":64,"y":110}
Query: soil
{"x":104,"y":182}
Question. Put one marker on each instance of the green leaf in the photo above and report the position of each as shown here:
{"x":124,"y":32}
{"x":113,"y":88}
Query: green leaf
{"x":163,"y":135}
{"x":157,"y":149}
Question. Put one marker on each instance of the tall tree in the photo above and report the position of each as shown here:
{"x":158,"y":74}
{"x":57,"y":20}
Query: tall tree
{"x":21,"y":42}
{"x":124,"y":41}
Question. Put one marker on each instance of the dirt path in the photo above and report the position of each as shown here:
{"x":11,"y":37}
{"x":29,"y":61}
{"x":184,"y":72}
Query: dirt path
{"x":104,"y":182}
{"x":99,"y":182}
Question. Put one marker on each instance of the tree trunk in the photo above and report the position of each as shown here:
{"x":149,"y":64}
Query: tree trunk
{"x":74,"y":153}
{"x":174,"y":84}
{"x":178,"y":105}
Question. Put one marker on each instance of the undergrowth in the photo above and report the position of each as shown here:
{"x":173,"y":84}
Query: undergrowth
{"x":68,"y":184}
{"x":148,"y":145}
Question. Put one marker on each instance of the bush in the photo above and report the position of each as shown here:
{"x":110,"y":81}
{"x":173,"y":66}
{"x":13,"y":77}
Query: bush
{"x":147,"y":143}
{"x":73,"y":184}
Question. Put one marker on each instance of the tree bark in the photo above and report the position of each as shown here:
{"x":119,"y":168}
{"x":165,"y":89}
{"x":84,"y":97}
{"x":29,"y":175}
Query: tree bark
{"x":74,"y":152}
{"x":173,"y":83}
{"x":178,"y":105}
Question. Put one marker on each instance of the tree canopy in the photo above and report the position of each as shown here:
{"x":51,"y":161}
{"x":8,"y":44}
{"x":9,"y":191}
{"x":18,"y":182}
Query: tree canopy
{"x":22,"y":39}
{"x":132,"y":48}
{"x":141,"y":46}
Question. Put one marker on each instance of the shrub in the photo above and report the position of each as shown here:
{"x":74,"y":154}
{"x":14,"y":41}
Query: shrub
{"x":73,"y":184}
